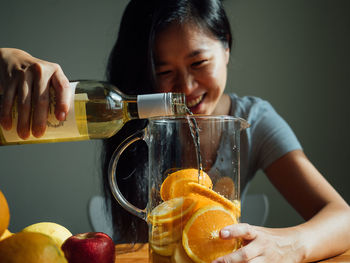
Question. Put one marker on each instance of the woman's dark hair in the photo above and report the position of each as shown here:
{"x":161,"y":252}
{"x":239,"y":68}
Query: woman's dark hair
{"x":131,"y":68}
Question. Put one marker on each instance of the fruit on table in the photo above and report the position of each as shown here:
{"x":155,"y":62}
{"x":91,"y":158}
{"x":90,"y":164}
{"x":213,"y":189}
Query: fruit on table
{"x":201,"y":238}
{"x":30,"y":247}
{"x":6,"y":234}
{"x":4,"y":214}
{"x":55,"y":231}
{"x":89,"y":247}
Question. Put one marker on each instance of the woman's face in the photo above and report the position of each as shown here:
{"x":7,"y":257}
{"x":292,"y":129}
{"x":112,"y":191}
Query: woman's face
{"x":190,"y":60}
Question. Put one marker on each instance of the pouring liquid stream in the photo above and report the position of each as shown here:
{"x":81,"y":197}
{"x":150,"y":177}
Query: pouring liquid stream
{"x":194,"y":130}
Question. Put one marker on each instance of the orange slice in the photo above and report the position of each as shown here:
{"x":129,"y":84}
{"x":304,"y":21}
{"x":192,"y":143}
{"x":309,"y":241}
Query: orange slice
{"x":165,"y":234}
{"x":208,"y":197}
{"x":172,"y":210}
{"x":166,"y":250}
{"x":175,"y":184}
{"x":200,"y":237}
{"x":180,"y":255}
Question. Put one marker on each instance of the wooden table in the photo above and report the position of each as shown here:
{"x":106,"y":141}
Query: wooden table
{"x":139,"y":254}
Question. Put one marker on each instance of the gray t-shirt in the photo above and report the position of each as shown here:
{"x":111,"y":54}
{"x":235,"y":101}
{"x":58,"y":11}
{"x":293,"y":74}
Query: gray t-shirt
{"x":268,"y":138}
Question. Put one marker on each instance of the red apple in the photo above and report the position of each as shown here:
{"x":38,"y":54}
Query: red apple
{"x":91,"y":247}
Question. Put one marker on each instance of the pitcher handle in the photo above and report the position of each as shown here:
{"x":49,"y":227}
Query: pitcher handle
{"x":112,"y":176}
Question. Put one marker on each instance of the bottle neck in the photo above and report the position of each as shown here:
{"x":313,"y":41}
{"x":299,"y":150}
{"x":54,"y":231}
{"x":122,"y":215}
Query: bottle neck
{"x":161,"y":104}
{"x":132,"y":110}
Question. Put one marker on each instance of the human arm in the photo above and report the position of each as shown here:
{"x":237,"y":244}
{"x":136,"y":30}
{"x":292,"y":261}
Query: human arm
{"x":29,"y":79}
{"x":325,"y":232}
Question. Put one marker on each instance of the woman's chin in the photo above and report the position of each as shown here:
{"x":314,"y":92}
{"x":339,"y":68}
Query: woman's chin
{"x":198,"y":109}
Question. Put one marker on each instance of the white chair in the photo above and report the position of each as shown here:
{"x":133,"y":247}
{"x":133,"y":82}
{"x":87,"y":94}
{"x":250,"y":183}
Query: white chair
{"x":255,"y":209}
{"x":100,"y":220}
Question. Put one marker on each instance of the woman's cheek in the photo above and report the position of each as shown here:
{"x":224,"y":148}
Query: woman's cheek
{"x":164,"y":85}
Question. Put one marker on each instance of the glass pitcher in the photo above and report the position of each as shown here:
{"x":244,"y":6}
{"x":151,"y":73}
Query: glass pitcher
{"x":193,"y":185}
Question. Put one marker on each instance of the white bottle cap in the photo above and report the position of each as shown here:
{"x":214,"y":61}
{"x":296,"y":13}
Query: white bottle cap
{"x":151,"y":105}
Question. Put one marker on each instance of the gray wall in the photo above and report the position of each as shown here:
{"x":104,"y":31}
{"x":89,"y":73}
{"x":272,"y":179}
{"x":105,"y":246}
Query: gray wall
{"x":294,"y":53}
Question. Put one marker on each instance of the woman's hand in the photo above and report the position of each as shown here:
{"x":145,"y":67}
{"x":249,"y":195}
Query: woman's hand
{"x":29,"y":79}
{"x":262,"y":245}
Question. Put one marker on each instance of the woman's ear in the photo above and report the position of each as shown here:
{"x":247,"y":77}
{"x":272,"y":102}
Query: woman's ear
{"x":227,"y":48}
{"x":227,"y":55}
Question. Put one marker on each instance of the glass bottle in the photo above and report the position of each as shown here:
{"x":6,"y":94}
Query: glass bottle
{"x":98,"y":110}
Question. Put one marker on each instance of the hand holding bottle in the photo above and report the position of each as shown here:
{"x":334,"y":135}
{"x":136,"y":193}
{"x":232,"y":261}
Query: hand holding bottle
{"x":28,"y":79}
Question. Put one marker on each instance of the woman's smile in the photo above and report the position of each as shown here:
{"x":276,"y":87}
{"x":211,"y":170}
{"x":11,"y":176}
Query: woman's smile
{"x":193,"y":103}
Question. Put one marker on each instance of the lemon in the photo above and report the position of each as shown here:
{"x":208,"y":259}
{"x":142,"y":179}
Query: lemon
{"x":55,"y":231}
{"x":30,"y":247}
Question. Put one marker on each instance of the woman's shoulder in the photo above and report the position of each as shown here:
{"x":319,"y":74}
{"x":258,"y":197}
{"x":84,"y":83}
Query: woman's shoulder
{"x":248,"y":106}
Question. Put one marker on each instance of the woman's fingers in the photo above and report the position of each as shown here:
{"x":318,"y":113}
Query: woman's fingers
{"x":7,"y":103}
{"x":245,"y":231}
{"x":30,"y":79}
{"x":60,"y":83}
{"x":24,"y":96}
{"x":245,"y":254}
{"x":40,"y":101}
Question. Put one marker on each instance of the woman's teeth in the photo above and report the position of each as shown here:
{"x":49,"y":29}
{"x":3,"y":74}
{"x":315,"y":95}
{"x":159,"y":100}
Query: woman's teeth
{"x":194,"y":102}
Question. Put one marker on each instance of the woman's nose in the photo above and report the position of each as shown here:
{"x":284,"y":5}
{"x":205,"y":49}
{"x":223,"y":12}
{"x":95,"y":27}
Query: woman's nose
{"x":185,"y":83}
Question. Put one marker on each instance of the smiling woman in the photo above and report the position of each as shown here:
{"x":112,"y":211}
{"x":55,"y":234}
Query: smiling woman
{"x":185,"y":45}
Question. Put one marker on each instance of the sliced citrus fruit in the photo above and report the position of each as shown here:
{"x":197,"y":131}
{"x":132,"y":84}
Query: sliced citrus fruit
{"x":180,"y":255}
{"x":172,"y":210}
{"x":205,"y":197}
{"x":166,"y":250}
{"x":200,"y":237}
{"x":165,"y":234}
{"x":175,"y":184}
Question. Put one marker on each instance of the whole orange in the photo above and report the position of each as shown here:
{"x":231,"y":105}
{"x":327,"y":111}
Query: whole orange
{"x":4,"y":214}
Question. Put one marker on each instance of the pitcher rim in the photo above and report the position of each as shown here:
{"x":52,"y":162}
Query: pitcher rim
{"x":244,"y":123}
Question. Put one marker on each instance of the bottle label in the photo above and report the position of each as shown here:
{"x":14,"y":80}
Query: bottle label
{"x":56,"y":130}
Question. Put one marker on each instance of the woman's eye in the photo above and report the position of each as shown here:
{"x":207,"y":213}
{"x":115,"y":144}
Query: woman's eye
{"x":161,"y":73}
{"x":198,"y":63}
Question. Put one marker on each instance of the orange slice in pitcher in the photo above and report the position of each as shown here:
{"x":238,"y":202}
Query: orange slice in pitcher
{"x":208,"y":197}
{"x":175,"y":184}
{"x":180,"y":255}
{"x":200,"y":237}
{"x":166,"y":250}
{"x":172,"y":211}
{"x":165,"y":234}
